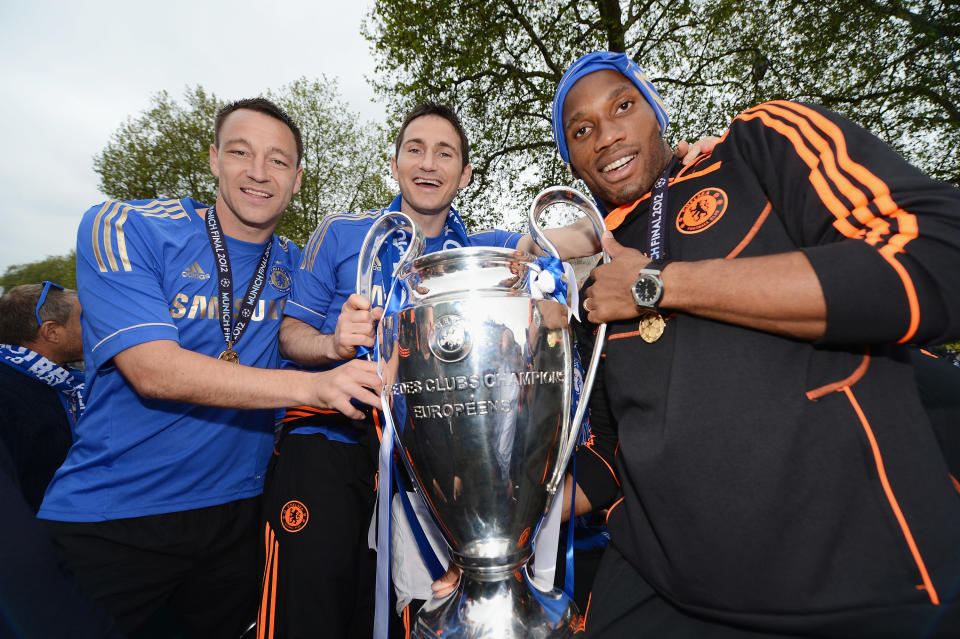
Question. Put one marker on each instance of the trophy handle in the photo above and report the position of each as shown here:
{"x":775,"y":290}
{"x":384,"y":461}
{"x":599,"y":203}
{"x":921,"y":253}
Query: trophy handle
{"x":545,"y":199}
{"x":373,"y":241}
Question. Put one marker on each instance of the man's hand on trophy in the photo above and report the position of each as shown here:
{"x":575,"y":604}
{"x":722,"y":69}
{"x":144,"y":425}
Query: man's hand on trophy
{"x":355,"y":327}
{"x":356,"y":379}
{"x":446,"y":584}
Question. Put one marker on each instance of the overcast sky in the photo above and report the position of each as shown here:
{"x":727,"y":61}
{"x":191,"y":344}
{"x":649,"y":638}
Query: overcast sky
{"x":73,"y":71}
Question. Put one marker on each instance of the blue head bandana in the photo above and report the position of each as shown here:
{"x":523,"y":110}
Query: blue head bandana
{"x":597,"y":61}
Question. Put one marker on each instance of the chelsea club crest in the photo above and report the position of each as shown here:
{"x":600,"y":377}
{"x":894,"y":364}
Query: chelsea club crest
{"x":280,"y":279}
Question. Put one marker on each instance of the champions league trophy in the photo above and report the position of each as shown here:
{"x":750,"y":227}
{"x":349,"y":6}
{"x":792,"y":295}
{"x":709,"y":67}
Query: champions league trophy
{"x":478,"y":377}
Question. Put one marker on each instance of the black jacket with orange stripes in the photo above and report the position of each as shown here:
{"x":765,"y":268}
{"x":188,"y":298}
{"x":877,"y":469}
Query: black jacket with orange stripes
{"x":778,"y":484}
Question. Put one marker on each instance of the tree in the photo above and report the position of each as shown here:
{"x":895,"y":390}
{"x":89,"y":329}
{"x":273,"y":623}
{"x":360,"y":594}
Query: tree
{"x":890,"y":65}
{"x":61,"y":269}
{"x":163,"y":153}
{"x":344,"y":164}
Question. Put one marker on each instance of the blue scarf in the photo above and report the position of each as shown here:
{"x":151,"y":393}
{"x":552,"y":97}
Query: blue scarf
{"x":454,"y":233}
{"x":68,"y":382}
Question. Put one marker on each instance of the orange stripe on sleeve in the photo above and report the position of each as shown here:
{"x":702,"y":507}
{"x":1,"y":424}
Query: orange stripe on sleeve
{"x":825,"y":175}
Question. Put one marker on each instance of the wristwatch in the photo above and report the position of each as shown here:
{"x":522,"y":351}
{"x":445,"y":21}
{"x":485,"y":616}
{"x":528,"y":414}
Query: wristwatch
{"x":648,"y":288}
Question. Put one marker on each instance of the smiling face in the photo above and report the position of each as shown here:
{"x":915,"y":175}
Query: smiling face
{"x":429,"y":169}
{"x":257,"y":167}
{"x":613,"y":137}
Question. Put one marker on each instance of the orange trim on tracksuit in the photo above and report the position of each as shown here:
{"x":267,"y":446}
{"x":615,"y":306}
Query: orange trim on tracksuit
{"x":268,"y":604}
{"x":406,"y":621}
{"x":376,"y":423}
{"x":605,"y":463}
{"x":299,"y":412}
{"x":764,"y":214}
{"x":956,"y":484}
{"x":610,"y":509}
{"x":855,"y":376}
{"x":583,"y":623}
{"x":892,"y":499}
{"x":828,"y":172}
{"x":616,"y":217}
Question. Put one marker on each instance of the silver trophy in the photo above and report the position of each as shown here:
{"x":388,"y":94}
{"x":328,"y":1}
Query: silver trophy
{"x":477,"y":383}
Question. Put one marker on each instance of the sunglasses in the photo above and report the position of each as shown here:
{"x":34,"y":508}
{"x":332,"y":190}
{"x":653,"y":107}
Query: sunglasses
{"x":43,"y":298}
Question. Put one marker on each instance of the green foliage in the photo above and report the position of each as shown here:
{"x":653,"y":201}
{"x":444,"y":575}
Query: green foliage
{"x":164,"y":153}
{"x":889,"y":65}
{"x":61,"y":269}
{"x":344,"y":164}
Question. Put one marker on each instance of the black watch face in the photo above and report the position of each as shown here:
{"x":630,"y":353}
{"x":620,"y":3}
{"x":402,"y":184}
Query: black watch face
{"x":646,"y":289}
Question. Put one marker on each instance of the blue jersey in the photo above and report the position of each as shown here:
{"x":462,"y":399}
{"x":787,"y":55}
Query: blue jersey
{"x":328,"y":271}
{"x":146,"y":271}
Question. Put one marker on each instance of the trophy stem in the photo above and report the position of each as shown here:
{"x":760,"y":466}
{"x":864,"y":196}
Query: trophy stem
{"x":501,"y":604}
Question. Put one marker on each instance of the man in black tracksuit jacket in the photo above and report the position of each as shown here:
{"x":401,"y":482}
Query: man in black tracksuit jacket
{"x":779,"y":475}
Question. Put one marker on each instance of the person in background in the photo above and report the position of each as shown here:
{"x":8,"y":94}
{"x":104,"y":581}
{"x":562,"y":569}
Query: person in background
{"x":41,"y":396}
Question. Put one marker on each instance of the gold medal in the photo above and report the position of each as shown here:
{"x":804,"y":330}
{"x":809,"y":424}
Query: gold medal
{"x":651,"y":326}
{"x":229,"y":355}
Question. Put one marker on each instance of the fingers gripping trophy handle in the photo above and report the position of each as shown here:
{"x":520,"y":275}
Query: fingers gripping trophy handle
{"x":545,"y":199}
{"x":381,"y":230}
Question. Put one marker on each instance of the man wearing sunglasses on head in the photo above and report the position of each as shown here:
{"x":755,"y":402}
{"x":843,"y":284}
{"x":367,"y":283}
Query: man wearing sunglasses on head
{"x":40,"y":395}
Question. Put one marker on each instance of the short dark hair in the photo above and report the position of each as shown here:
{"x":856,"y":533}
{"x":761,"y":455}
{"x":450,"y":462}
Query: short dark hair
{"x":18,"y":319}
{"x":260,"y":105}
{"x":443,"y":111}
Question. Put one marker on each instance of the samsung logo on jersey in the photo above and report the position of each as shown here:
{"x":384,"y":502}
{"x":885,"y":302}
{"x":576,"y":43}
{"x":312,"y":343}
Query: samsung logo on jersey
{"x":202,"y":307}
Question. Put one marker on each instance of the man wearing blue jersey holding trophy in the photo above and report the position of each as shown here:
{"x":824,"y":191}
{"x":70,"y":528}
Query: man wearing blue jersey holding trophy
{"x":157,"y":503}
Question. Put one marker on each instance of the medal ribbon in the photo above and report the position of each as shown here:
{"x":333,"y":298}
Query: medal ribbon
{"x":656,"y":231}
{"x":232,"y":332}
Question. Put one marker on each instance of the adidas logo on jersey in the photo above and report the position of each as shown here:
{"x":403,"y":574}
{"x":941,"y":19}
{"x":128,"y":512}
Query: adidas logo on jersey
{"x":196,"y":272}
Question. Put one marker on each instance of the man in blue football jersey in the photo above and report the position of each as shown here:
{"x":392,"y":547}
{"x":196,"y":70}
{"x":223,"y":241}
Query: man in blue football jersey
{"x":157,"y":503}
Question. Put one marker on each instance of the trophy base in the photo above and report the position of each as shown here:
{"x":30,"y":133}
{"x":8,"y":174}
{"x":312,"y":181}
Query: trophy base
{"x":505,"y":608}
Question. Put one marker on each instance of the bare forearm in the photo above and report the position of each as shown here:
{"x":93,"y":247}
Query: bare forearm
{"x":163,"y":370}
{"x":574,"y":240}
{"x":304,"y":344}
{"x":775,"y":293}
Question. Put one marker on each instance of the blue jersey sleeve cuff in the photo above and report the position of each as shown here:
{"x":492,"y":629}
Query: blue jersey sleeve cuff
{"x":104,"y":350}
{"x":304,"y":314}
